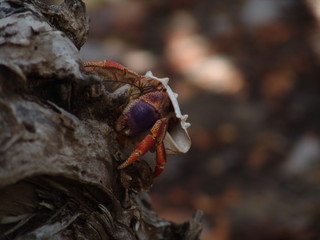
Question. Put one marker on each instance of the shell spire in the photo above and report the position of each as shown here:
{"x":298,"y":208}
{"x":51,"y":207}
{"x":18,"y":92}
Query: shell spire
{"x":164,"y":81}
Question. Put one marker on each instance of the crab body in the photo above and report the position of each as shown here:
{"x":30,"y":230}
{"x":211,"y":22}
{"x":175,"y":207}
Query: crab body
{"x":142,"y":113}
{"x":152,"y":108}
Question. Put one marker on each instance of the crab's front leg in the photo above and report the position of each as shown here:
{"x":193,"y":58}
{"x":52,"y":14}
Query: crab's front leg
{"x":109,"y":70}
{"x":155,"y":137}
{"x":161,"y":160}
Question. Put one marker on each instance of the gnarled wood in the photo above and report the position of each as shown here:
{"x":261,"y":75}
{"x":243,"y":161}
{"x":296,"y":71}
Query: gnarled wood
{"x":58,"y":154}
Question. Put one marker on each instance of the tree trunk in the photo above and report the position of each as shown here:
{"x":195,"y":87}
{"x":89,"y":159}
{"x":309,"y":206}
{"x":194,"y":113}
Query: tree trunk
{"x":58,"y":154}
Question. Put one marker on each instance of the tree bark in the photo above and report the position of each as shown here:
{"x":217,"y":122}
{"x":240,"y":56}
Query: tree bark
{"x":58,"y":153}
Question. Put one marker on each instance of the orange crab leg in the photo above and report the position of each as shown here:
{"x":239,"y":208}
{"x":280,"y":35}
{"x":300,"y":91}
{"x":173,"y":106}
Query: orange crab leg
{"x":139,"y":150}
{"x":90,"y":65}
{"x":161,"y":160}
{"x":155,"y":137}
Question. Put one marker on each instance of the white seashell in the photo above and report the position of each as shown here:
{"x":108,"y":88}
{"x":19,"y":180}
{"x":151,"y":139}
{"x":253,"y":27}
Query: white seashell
{"x":184,"y":117}
{"x":177,"y":140}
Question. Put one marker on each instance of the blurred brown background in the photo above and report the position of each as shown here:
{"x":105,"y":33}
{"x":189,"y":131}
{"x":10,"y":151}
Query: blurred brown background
{"x":247,"y":73}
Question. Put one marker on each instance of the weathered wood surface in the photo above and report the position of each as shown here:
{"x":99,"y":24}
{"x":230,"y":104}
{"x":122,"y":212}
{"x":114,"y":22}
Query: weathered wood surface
{"x":58,"y":155}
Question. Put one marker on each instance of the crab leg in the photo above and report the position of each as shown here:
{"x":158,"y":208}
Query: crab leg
{"x":139,"y":150}
{"x":161,"y":160}
{"x":156,"y":136}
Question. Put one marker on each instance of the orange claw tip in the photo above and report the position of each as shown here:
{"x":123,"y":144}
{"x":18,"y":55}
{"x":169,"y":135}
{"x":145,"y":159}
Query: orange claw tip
{"x":133,"y":157}
{"x":158,"y":170}
{"x":123,"y":165}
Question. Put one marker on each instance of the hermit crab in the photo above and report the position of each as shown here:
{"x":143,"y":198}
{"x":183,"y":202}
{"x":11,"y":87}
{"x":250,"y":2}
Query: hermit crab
{"x":152,"y":108}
